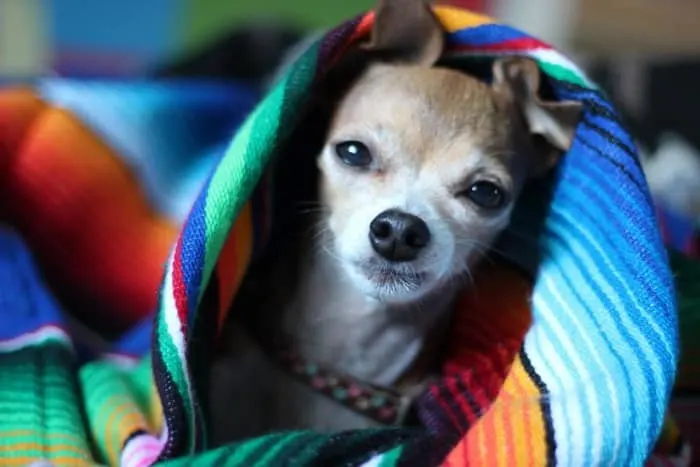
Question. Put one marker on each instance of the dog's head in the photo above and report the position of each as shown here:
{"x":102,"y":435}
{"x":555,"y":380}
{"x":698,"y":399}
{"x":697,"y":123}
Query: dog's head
{"x":422,"y":165}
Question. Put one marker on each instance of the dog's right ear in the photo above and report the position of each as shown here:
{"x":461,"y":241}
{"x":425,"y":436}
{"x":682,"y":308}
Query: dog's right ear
{"x":406,"y":31}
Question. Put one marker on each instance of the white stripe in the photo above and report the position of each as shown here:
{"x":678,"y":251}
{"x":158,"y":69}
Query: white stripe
{"x":622,"y":317}
{"x":172,"y":322}
{"x":546,"y":55}
{"x":579,"y":380}
{"x":553,"y":373}
{"x":556,"y":58}
{"x":566,"y":266}
{"x":374,"y":461}
{"x":585,"y":335}
{"x":38,"y":337}
{"x":141,"y":451}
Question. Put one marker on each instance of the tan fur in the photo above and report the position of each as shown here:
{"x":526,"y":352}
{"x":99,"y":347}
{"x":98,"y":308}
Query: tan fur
{"x":432,"y":133}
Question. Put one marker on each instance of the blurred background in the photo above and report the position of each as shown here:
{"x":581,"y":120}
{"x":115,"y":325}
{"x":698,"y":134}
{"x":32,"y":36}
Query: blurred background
{"x":644,"y":53}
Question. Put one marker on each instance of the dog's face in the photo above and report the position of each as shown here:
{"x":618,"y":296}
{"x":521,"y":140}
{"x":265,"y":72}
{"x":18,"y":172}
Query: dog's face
{"x":416,"y":185}
{"x":422,"y":165}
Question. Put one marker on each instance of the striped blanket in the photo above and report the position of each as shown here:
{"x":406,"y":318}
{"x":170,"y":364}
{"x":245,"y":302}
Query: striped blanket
{"x":564,"y":355}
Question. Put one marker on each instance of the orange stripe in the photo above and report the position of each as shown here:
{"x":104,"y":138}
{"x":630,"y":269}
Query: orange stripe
{"x":485,"y":444}
{"x":523,"y":450}
{"x":243,"y":237}
{"x":498,"y":435}
{"x":42,"y":448}
{"x":40,"y":434}
{"x":61,"y":461}
{"x":233,"y":259}
{"x":454,"y":19}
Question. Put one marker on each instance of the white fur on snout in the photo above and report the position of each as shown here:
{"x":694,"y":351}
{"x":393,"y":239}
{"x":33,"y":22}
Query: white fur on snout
{"x":353,"y":246}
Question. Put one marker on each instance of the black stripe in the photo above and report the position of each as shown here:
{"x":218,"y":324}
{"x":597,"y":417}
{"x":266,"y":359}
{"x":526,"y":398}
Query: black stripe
{"x":607,"y":135}
{"x":544,"y":406}
{"x":133,"y":435}
{"x":426,"y":450}
{"x":172,"y":404}
{"x":617,"y":164}
{"x":454,"y":408}
{"x":596,"y":108}
{"x":200,"y":353}
{"x":356,"y":447}
{"x":477,"y":409}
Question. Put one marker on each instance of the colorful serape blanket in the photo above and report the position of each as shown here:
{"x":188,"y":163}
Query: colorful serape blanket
{"x":566,"y":354}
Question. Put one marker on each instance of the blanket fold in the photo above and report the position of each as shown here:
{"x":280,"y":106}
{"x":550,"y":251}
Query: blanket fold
{"x":565,"y":353}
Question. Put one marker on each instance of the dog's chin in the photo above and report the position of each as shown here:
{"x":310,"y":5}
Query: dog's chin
{"x":394,"y":284}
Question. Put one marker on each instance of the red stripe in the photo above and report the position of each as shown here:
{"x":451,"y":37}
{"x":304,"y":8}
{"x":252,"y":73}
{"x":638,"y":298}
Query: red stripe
{"x":179,"y":287}
{"x":458,"y":397}
{"x":520,"y":45}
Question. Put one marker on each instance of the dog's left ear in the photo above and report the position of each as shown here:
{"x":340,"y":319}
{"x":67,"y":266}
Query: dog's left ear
{"x":406,"y":31}
{"x":551,"y":123}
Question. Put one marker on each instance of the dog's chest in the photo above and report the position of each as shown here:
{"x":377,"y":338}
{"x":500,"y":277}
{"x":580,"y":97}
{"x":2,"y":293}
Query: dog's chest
{"x":333,"y":325}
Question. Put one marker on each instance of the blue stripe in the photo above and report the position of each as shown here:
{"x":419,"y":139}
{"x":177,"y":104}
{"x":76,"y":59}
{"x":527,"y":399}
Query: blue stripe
{"x":615,"y":284}
{"x":609,"y":207}
{"x":601,"y":183}
{"x":194,"y":234}
{"x":574,"y":262}
{"x":629,"y":264}
{"x":485,"y":35}
{"x":620,"y":193}
{"x":562,"y":271}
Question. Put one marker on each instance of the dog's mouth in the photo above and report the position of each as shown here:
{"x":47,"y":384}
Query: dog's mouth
{"x":393,"y":280}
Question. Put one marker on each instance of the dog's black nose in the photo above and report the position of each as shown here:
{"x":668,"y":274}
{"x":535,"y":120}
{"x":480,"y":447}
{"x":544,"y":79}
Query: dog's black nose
{"x":398,"y":236}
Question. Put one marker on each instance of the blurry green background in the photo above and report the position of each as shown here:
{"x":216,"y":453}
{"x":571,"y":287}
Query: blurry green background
{"x":207,"y":18}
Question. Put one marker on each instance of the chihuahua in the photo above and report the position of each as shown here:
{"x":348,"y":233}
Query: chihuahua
{"x":418,"y":175}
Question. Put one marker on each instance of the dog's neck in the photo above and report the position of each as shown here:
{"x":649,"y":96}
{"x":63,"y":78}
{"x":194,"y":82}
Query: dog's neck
{"x":332,"y":323}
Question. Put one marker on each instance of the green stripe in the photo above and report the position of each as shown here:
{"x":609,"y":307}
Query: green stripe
{"x":565,"y":74}
{"x":242,"y":452}
{"x":248,"y":156}
{"x":174,"y":367}
{"x":391,"y":458}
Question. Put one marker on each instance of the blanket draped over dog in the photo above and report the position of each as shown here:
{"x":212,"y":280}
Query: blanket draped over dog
{"x":564,"y":355}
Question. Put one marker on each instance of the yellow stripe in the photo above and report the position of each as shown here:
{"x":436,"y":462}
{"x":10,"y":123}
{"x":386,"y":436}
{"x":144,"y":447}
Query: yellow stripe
{"x":156,"y":412}
{"x":125,"y":415}
{"x":453,"y":19}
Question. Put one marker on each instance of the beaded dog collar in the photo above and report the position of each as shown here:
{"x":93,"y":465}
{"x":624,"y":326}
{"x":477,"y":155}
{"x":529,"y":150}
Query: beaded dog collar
{"x":382,"y":405}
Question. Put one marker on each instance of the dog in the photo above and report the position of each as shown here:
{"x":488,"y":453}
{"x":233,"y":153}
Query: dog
{"x":417,"y":175}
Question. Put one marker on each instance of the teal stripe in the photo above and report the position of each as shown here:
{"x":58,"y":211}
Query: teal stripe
{"x":273,"y":452}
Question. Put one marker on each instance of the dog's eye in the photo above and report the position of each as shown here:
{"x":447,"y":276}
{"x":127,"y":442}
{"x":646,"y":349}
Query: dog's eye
{"x":354,"y":153}
{"x":486,"y":195}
